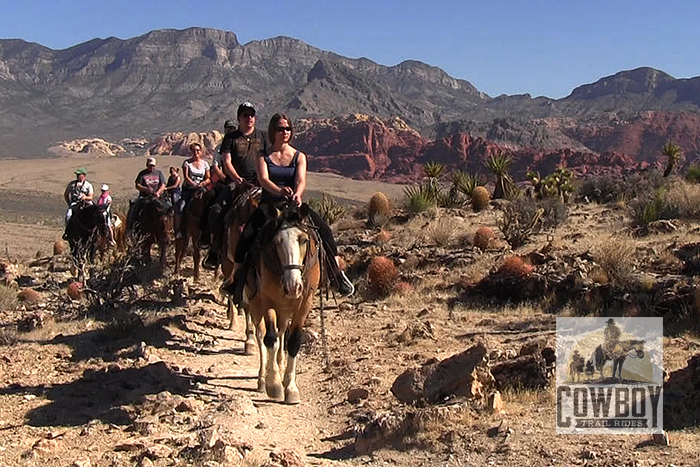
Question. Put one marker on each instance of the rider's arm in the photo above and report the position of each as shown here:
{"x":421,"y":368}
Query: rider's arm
{"x":207,"y":179}
{"x":264,"y":178}
{"x":66,"y":194}
{"x":228,"y":168}
{"x":89,"y":195}
{"x":143,"y":189}
{"x":300,"y":182}
{"x":161,"y":184}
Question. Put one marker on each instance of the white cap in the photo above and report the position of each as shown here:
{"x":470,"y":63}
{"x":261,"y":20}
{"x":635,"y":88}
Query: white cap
{"x":151,"y":161}
{"x":105,"y":187}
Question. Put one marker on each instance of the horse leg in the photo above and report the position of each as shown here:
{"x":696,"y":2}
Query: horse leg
{"x":196,"y":256}
{"x":180,"y":246}
{"x":249,"y":347}
{"x":231,"y":313}
{"x":291,"y":391}
{"x":273,"y":385}
{"x":262,"y":351}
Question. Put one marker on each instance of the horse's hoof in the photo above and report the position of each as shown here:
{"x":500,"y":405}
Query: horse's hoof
{"x":261,"y":385}
{"x":249,"y":349}
{"x":274,"y":391}
{"x":292,"y":397}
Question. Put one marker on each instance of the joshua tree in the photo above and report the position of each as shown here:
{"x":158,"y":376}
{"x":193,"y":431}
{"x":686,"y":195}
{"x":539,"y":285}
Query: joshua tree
{"x":499,"y":164}
{"x":673,"y":152}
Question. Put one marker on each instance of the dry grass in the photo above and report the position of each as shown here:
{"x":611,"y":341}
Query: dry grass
{"x":531,"y":397}
{"x":8,"y":298}
{"x":443,"y":232}
{"x":615,"y":255}
{"x":684,"y":198}
{"x":8,"y":336}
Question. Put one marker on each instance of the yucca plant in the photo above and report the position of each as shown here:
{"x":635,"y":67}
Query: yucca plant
{"x":673,"y":152}
{"x":433,"y":170}
{"x":499,"y":164}
{"x":465,"y":182}
{"x":419,"y":198}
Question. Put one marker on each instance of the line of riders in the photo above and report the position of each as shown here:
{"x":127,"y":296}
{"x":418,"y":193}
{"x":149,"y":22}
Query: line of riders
{"x":248,"y":159}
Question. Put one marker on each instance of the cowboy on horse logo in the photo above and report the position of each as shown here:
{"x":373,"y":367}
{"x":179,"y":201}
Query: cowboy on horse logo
{"x":609,"y":375}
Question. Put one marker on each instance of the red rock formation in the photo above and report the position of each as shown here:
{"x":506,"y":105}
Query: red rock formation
{"x":178,"y":143}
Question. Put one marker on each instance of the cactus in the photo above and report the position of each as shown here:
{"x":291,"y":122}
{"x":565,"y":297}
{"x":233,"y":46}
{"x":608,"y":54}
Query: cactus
{"x":378,"y":210}
{"x":514,"y":266}
{"x":480,"y":198}
{"x":328,"y":208}
{"x":483,"y":237}
{"x":382,"y":275}
{"x":59,"y":247}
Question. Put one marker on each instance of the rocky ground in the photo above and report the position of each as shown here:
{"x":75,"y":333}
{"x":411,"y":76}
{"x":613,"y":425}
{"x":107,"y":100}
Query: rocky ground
{"x":146,"y":372}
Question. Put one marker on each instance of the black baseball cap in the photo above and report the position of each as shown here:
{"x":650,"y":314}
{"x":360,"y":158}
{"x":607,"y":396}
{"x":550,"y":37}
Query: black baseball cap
{"x":246,"y":106}
{"x":229,"y":124}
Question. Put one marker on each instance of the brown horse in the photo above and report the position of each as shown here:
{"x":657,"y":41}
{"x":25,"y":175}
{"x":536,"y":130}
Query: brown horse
{"x":119,"y":228}
{"x":281,"y":289}
{"x":152,"y":225}
{"x":196,"y":208}
{"x":246,"y":199}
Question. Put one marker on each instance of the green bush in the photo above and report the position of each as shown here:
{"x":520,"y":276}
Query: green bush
{"x":693,"y":174}
{"x":420,"y":198}
{"x":328,"y":208}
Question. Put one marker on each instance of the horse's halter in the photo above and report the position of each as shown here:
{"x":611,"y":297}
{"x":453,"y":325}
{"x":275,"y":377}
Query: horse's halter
{"x":300,"y":267}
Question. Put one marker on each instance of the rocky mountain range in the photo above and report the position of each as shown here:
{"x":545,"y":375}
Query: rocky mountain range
{"x":191,"y":80}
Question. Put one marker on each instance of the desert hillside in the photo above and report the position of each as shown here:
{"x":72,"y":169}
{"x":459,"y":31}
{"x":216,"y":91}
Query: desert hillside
{"x":138,"y":366}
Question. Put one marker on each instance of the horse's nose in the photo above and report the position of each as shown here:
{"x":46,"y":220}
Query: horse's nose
{"x":292,"y":284}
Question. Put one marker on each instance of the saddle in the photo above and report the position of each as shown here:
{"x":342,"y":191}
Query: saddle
{"x":613,"y":350}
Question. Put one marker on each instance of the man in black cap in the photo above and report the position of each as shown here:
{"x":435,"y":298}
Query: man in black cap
{"x":239,"y":152}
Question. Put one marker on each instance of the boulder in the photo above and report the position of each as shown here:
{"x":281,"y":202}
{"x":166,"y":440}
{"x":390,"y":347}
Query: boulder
{"x":682,"y":396}
{"x":526,"y":372}
{"x":465,"y":374}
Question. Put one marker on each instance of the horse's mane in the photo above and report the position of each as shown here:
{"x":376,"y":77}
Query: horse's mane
{"x":288,"y":216}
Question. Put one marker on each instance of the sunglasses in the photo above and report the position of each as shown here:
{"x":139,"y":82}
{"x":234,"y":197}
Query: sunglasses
{"x":284,"y":128}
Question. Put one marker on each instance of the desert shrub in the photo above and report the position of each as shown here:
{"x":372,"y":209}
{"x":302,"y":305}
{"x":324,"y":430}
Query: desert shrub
{"x":8,"y":336}
{"x":615,"y":256}
{"x":8,"y":298}
{"x":693,"y":174}
{"x":515,"y":266}
{"x":378,"y":210}
{"x":652,"y":207}
{"x":328,"y":208}
{"x":683,"y":199}
{"x":382,"y":275}
{"x":499,"y":165}
{"x":483,"y":237}
{"x":451,"y":199}
{"x":442,"y":232}
{"x":524,"y":217}
{"x":608,"y":188}
{"x":420,"y":198}
{"x":480,"y":198}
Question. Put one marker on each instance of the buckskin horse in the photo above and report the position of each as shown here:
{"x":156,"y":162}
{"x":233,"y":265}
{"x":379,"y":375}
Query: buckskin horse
{"x":153,"y":224}
{"x":618,"y":358}
{"x":281,"y":288}
{"x":246,"y":199}
{"x":192,"y":216}
{"x":85,"y":228}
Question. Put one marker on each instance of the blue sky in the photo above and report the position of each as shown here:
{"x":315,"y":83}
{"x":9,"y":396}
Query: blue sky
{"x":501,"y":46}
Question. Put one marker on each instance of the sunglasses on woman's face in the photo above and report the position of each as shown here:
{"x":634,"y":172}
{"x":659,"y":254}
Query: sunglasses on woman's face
{"x":284,"y":128}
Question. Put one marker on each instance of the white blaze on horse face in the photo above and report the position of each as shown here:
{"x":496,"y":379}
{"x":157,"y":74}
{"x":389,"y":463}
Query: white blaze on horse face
{"x":291,"y":256}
